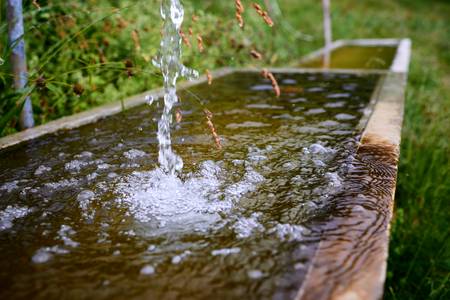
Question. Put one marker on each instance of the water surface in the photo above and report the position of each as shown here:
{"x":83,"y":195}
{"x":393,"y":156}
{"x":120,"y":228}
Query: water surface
{"x":357,"y":57}
{"x":86,"y":213}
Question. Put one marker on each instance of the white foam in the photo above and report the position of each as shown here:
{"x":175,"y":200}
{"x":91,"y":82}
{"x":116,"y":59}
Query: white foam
{"x":75,"y":165}
{"x":256,"y":155}
{"x":61,"y":184}
{"x":45,"y":254}
{"x":225,"y":251}
{"x":41,"y":256}
{"x":84,"y":155}
{"x":103,"y":166}
{"x":288,"y":232}
{"x":179,"y":258}
{"x":64,"y":234}
{"x":11,"y":213}
{"x":247,"y":184}
{"x":41,"y":170}
{"x":244,"y":227}
{"x":9,"y":186}
{"x":155,"y":196}
{"x":134,"y":153}
{"x":84,"y":200}
{"x":91,"y":176}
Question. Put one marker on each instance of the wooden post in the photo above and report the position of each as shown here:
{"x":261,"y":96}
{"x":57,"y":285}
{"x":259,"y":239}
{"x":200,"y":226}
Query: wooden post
{"x":18,"y":57}
{"x":327,"y":32}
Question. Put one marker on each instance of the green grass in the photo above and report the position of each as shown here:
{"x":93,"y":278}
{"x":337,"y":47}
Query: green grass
{"x":419,"y":258}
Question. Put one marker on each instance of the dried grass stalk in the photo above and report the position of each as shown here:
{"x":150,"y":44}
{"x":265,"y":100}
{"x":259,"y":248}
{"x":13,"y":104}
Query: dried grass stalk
{"x":185,"y":39}
{"x":200,"y":43}
{"x":209,"y":77}
{"x":264,"y":14}
{"x":255,"y":54}
{"x":210,"y":124}
{"x":276,"y":88}
{"x":178,"y":115}
{"x":136,"y":40}
{"x":239,"y":12}
{"x":36,"y":4}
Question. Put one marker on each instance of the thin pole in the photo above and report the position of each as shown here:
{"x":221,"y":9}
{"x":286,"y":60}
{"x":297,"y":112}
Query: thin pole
{"x":18,"y":58}
{"x":327,"y":32}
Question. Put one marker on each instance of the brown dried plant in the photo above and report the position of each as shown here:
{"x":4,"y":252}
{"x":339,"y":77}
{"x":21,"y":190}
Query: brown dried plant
{"x":36,"y":4}
{"x":255,"y":54}
{"x":209,"y":77}
{"x":185,"y":39}
{"x":178,"y":115}
{"x":136,"y":40}
{"x":276,"y":88}
{"x":210,"y":124}
{"x":263,"y":14}
{"x":239,"y":12}
{"x":78,"y":89}
{"x":200,"y":43}
{"x":122,"y":23}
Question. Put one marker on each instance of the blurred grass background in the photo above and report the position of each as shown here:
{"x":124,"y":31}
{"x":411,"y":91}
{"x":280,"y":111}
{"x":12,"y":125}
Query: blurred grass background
{"x":84,"y":53}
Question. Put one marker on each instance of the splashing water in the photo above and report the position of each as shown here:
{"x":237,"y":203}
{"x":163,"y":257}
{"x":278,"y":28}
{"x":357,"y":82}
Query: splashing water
{"x":171,"y":67}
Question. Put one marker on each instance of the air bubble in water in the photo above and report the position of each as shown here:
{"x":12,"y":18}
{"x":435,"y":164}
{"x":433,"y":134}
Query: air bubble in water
{"x":147,"y":270}
{"x":225,"y":251}
{"x":41,"y":256}
{"x":255,"y":274}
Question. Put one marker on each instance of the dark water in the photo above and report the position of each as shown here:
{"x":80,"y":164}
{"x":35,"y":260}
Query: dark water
{"x":357,"y":57}
{"x":86,"y":213}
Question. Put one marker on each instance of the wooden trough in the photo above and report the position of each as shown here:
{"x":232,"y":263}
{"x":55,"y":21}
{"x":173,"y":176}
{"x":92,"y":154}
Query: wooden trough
{"x":350,"y":259}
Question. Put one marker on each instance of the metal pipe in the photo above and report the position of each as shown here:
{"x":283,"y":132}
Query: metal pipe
{"x":327,"y":32}
{"x":18,"y":57}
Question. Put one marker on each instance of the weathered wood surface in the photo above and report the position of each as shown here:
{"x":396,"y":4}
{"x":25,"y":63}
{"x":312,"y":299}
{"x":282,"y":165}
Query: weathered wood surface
{"x":350,"y":262}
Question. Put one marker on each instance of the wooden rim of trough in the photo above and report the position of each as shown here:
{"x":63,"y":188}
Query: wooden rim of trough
{"x":355,"y":267}
{"x":350,"y":268}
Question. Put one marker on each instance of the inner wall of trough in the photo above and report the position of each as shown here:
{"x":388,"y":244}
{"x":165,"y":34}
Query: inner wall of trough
{"x":357,"y":57}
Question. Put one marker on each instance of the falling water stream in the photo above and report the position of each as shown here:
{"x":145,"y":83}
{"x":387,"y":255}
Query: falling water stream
{"x":169,"y":61}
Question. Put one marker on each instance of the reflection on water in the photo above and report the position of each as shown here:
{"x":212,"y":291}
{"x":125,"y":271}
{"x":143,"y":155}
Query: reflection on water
{"x":87,"y":214}
{"x":357,"y":57}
